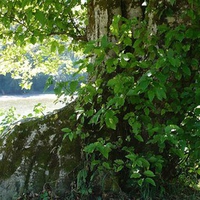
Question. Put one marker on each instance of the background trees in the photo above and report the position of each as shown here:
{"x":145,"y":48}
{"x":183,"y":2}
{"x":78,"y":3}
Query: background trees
{"x":138,"y":114}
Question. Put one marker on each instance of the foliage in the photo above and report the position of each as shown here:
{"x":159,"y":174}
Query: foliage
{"x":138,"y":115}
{"x":34,"y":38}
{"x":144,"y":104}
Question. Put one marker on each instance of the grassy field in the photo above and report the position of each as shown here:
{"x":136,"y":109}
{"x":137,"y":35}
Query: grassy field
{"x":24,"y":104}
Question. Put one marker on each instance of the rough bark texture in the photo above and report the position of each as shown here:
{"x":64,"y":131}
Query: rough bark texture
{"x":101,"y":12}
{"x":33,"y":153}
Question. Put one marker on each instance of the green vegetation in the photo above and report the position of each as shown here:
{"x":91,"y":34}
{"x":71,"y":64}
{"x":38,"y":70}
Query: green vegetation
{"x":138,"y":114}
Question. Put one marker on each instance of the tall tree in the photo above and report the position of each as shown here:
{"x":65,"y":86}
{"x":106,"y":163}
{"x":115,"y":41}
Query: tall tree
{"x":138,"y":114}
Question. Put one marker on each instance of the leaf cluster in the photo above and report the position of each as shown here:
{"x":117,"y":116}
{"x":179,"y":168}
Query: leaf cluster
{"x":142,"y":102}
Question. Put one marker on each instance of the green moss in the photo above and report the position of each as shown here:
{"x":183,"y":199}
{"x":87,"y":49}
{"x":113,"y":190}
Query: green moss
{"x":41,"y":153}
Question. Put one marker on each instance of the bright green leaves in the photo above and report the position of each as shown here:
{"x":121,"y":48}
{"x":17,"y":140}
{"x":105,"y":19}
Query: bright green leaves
{"x":101,"y":146}
{"x":149,"y":173}
{"x":56,"y":46}
{"x":40,"y":16}
{"x":118,"y":165}
{"x":107,"y":116}
{"x":150,"y":180}
{"x":111,"y":65}
{"x":140,"y":169}
{"x":111,"y":120}
{"x":69,"y":133}
{"x":121,"y":84}
{"x":43,"y":19}
{"x":115,"y":25}
{"x":104,"y":42}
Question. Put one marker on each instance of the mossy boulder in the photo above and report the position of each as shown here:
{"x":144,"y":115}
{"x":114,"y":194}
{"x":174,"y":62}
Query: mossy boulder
{"x":33,"y":153}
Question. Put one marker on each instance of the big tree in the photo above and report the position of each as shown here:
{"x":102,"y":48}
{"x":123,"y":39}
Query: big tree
{"x":136,"y":119}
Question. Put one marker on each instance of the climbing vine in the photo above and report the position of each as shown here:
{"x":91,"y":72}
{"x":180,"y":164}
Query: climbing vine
{"x":139,"y":117}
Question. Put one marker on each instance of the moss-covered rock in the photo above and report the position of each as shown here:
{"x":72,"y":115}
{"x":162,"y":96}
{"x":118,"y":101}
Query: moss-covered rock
{"x":32,"y":153}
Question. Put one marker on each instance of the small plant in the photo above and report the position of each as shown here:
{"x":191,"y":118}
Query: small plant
{"x":10,"y":116}
{"x":7,"y":118}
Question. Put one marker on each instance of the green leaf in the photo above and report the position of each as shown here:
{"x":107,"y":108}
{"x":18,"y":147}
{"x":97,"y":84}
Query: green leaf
{"x":90,"y":148}
{"x":69,"y":133}
{"x":33,"y":40}
{"x":136,"y":126}
{"x":139,"y":138}
{"x":106,"y":165}
{"x":149,"y":173}
{"x":40,"y":17}
{"x":90,"y":46}
{"x":170,"y":53}
{"x":73,"y":86}
{"x":112,"y":82}
{"x":127,"y":41}
{"x":178,"y":152}
{"x":197,"y":111}
{"x":119,"y":161}
{"x":115,"y":25}
{"x":186,"y":70}
{"x":151,"y":181}
{"x":145,"y":162}
{"x":104,"y":42}
{"x":151,"y":95}
{"x":71,"y":136}
{"x":111,"y":65}
{"x":119,"y":168}
{"x":54,"y":46}
{"x":135,"y":175}
{"x":144,"y":84}
{"x":111,"y":120}
{"x":171,"y":128}
{"x":140,"y":182}
{"x":146,"y":111}
{"x":103,"y":149}
{"x":95,"y":118}
{"x":198,"y":171}
{"x":61,"y":49}
{"x":66,"y":130}
{"x":160,"y":93}
{"x":152,"y":159}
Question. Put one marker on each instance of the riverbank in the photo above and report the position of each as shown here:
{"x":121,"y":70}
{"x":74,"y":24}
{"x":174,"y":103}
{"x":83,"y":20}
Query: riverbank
{"x":24,"y":104}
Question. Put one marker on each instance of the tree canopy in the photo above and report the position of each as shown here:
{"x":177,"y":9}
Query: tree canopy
{"x":138,"y":114}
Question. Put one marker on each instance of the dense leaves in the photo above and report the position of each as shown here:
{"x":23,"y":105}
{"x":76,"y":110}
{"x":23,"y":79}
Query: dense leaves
{"x":138,"y":115}
{"x":145,"y":104}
